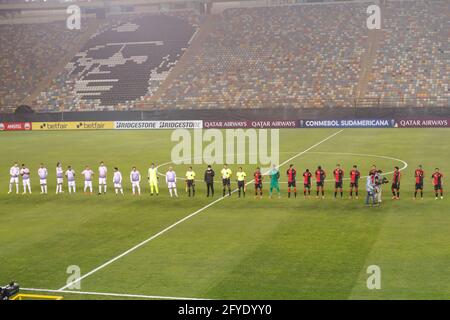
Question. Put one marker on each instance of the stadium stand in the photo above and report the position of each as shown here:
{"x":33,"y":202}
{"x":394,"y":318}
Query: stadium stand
{"x":309,"y":55}
{"x":32,"y":51}
{"x":412,"y":64}
{"x":275,"y":56}
{"x":313,"y":56}
{"x":124,"y":61}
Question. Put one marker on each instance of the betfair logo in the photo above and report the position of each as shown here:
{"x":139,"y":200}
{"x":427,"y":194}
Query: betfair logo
{"x":88,"y":125}
{"x":91,"y":125}
{"x":53,"y":126}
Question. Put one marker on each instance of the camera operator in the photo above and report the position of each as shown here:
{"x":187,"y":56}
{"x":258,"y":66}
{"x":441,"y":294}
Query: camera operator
{"x":370,"y":188}
{"x":379,"y":181}
{"x":8,"y":291}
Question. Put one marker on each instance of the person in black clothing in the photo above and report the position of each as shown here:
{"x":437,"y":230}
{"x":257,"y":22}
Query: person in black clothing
{"x":209,"y":179}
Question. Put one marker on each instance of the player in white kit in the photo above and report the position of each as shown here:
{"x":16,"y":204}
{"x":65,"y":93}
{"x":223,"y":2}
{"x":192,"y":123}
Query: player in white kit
{"x":171,"y":180}
{"x":117,"y":180}
{"x":102,"y":171}
{"x":43,"y":173}
{"x":59,"y":178}
{"x":88,"y":174}
{"x":135,"y":178}
{"x":14,"y":173}
{"x":25,"y":173}
{"x":70,"y":174}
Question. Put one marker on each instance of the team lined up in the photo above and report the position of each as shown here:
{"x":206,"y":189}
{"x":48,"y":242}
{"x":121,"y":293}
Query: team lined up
{"x":374,"y":182}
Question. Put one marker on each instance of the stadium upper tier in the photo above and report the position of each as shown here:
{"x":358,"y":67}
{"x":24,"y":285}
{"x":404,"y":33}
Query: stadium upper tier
{"x":122,"y":63}
{"x":279,"y":56}
{"x":291,"y":56}
{"x":28,"y":52}
{"x":413,"y":60}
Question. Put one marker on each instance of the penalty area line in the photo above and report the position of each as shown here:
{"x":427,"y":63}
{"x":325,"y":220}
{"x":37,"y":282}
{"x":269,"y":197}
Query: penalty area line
{"x":108,"y":294}
{"x":70,"y":284}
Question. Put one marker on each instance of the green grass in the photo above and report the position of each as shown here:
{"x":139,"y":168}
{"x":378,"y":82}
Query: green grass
{"x":237,"y":248}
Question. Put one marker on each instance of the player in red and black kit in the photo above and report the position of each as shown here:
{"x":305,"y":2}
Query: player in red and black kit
{"x":307,"y":182}
{"x":291,"y":175}
{"x":396,"y":184}
{"x":438,"y":181}
{"x":354,"y":181}
{"x":338,"y":174}
{"x":257,"y":176}
{"x":320,"y":181}
{"x":419,"y":174}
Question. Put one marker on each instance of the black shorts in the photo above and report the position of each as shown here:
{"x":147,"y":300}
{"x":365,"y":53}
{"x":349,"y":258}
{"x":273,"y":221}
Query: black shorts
{"x":338,"y":184}
{"x":319,"y":184}
{"x":419,"y":186}
{"x":226,"y":182}
{"x":307,"y":185}
{"x":291,"y":184}
{"x":190,"y":183}
{"x":353,"y":184}
{"x":258,"y":185}
{"x":241,"y":184}
{"x":438,"y":187}
{"x":396,"y":185}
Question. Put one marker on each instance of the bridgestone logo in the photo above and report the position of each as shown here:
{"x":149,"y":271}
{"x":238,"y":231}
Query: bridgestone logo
{"x":173,"y":125}
{"x":135,"y":125}
{"x":142,"y":125}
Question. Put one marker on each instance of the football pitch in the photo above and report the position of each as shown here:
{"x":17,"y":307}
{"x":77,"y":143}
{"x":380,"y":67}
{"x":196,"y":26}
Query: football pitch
{"x":227,"y":248}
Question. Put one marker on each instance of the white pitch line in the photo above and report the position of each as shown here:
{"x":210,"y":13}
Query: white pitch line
{"x":182,"y":220}
{"x":108,"y":294}
{"x":312,"y":147}
{"x":405,"y":164}
{"x":139,"y":245}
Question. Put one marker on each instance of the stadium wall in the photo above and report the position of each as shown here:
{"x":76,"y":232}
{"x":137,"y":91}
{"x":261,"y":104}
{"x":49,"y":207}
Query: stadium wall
{"x":236,"y":114}
{"x":280,"y":118}
{"x":223,"y":124}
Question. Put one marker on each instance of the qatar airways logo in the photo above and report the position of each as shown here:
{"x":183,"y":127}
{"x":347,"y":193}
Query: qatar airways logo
{"x":436,"y":123}
{"x":231,"y":146}
{"x":225,"y":124}
{"x":262,"y":124}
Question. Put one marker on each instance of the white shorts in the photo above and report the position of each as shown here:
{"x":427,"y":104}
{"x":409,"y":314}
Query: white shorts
{"x":14,"y":180}
{"x":118,"y":185}
{"x":101,"y":180}
{"x":26,"y":182}
{"x":59,"y":180}
{"x":71,"y":183}
{"x":171,"y":185}
{"x":43,"y":181}
{"x":135,"y":183}
{"x":88,"y":184}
